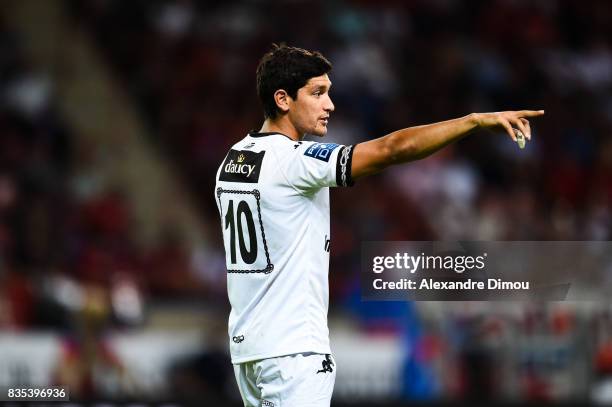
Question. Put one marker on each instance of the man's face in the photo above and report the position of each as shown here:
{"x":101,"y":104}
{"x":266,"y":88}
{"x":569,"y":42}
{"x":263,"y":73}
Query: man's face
{"x":310,"y":111}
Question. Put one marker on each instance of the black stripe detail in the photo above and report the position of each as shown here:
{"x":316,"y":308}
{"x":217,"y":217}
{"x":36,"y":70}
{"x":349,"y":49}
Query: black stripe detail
{"x":344,"y":162}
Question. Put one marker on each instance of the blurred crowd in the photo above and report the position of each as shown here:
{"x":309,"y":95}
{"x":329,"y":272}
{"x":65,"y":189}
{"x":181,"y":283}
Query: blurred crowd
{"x":190,"y":68}
{"x":69,"y":262}
{"x":65,"y":230}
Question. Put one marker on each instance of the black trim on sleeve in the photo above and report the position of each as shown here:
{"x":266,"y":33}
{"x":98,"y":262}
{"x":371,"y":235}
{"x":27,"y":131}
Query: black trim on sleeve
{"x":344,"y":162}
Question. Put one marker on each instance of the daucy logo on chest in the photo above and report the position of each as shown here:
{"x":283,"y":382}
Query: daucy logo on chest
{"x":242,"y":166}
{"x":239,"y":168}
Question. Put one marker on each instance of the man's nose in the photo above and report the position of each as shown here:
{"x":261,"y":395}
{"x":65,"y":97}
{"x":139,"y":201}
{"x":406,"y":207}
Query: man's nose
{"x":329,"y":105}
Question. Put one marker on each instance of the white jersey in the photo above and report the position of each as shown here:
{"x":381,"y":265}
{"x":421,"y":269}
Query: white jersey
{"x":273,"y":197}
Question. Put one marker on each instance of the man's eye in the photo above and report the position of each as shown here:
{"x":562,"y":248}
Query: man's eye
{"x":317,"y":93}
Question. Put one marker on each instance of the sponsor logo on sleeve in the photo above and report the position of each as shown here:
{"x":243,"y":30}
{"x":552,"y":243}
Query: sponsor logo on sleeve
{"x":321,"y":151}
{"x":242,"y":166}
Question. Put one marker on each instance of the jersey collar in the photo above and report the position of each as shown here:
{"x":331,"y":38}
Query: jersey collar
{"x":256,"y":134}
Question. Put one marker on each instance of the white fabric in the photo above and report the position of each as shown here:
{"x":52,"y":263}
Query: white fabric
{"x":290,"y":381}
{"x":279,"y":301}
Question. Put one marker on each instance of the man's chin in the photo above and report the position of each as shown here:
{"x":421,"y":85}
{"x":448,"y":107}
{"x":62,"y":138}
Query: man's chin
{"x":319,"y":132}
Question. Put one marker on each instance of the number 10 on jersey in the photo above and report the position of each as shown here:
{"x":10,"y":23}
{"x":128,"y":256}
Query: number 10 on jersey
{"x":246,"y":249}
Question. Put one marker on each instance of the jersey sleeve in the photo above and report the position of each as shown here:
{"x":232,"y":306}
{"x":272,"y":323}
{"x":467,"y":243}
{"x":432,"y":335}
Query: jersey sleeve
{"x":317,"y":165}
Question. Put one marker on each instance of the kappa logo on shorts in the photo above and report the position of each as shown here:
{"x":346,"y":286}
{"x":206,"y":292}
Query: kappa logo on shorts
{"x":327,"y":365}
{"x":321,"y":151}
{"x":238,"y":339}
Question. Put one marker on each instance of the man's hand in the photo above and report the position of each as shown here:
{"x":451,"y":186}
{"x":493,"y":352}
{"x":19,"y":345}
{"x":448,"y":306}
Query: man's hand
{"x":507,"y":120}
{"x":414,"y":143}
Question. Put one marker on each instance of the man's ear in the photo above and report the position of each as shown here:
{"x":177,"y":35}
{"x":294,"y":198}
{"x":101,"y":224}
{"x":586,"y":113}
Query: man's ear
{"x":282,"y":99}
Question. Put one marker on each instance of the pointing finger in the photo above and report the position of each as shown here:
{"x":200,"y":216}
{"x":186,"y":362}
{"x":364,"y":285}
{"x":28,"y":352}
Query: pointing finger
{"x":531,"y":113}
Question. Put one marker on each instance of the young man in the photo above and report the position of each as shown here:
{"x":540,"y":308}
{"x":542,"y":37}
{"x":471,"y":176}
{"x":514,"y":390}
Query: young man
{"x":272,"y":192}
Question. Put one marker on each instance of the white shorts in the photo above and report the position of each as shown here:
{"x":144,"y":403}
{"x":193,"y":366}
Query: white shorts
{"x":303,"y":379}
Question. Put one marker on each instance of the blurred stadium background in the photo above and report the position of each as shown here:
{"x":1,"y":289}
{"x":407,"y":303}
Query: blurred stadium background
{"x":114,"y":116}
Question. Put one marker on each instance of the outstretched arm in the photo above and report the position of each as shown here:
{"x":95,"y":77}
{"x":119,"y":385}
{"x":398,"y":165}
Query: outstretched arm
{"x":418,"y":142}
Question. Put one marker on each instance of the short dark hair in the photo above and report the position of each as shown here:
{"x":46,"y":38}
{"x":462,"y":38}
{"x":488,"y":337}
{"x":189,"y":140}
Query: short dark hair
{"x":287,"y":68}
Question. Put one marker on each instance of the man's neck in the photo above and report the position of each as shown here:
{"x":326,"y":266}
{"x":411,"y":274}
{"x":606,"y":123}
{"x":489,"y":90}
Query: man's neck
{"x":281,"y":126}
